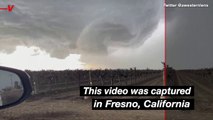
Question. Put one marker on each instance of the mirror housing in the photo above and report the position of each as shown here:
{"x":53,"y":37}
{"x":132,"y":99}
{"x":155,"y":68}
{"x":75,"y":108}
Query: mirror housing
{"x":21,"y":84}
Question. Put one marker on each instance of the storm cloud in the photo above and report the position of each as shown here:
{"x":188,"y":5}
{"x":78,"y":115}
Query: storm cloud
{"x":91,"y":28}
{"x":189,"y":35}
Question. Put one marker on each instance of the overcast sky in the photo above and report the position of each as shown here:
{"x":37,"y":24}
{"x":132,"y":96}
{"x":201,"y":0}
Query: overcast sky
{"x":71,"y":34}
{"x":190,"y":35}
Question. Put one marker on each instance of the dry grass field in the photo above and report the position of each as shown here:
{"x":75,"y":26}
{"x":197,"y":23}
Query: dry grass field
{"x":70,"y":106}
{"x":203,"y":87}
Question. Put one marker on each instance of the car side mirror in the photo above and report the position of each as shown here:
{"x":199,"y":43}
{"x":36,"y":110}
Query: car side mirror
{"x":15,"y":87}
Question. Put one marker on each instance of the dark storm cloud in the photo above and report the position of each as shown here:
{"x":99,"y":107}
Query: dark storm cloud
{"x":86,"y":27}
{"x":190,"y":35}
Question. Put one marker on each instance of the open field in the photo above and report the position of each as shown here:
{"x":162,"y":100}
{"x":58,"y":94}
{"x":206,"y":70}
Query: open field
{"x":203,"y":85}
{"x":70,"y":106}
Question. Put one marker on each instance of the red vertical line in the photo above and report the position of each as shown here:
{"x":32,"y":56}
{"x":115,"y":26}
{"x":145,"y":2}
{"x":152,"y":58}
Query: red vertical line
{"x":165,"y":65}
{"x":165,"y":46}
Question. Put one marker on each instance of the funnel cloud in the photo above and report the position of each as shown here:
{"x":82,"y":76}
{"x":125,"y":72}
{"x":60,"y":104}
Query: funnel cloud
{"x":92,"y":28}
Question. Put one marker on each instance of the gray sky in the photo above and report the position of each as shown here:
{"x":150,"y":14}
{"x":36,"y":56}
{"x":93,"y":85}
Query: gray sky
{"x":190,"y":35}
{"x":105,"y":33}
